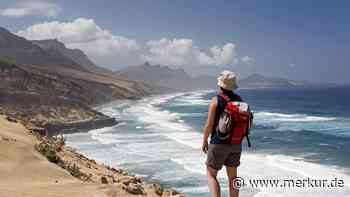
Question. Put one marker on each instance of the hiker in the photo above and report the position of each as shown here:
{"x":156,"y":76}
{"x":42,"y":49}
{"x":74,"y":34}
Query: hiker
{"x":228,"y":122}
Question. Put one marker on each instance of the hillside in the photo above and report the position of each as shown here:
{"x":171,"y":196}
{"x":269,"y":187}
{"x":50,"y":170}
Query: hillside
{"x":56,"y":47}
{"x":22,"y":51}
{"x":42,"y":84}
{"x":41,"y":167}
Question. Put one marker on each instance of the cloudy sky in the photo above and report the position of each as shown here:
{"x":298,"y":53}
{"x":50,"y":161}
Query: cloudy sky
{"x":305,"y":40}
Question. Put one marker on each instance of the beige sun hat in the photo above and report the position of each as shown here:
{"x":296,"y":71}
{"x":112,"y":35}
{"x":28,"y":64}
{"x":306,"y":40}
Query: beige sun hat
{"x":227,"y":80}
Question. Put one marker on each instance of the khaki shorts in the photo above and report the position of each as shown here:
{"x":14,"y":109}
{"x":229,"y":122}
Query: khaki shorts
{"x":223,"y":154}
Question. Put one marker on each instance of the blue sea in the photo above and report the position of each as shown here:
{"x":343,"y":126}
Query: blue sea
{"x":298,"y":133}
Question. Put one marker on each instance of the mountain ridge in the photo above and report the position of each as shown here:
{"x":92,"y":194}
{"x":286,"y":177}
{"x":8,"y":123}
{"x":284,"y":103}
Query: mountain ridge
{"x":78,"y":56}
{"x":179,"y":79}
{"x":161,"y":76}
{"x":22,"y":51}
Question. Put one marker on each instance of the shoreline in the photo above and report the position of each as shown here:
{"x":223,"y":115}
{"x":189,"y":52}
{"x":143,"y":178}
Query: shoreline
{"x":54,"y":129}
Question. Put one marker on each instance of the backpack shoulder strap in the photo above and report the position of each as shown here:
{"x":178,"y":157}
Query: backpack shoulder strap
{"x":236,"y":97}
{"x":239,"y":98}
{"x":225,"y":97}
{"x":221,"y":102}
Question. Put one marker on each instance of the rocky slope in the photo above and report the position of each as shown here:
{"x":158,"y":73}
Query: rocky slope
{"x":22,"y":51}
{"x":39,"y":96}
{"x":40,"y":83}
{"x":57,"y":48}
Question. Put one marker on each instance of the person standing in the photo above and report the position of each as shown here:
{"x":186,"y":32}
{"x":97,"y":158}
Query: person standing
{"x":228,"y":122}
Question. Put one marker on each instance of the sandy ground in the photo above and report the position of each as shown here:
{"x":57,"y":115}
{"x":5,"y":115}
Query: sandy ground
{"x":25,"y":172}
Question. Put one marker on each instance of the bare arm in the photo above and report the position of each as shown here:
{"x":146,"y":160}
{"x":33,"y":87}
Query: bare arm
{"x":208,"y":127}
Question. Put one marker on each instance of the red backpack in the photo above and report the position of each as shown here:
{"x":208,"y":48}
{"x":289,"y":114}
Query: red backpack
{"x":235,"y":121}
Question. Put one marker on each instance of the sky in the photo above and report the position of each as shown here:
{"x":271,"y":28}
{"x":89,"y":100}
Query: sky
{"x":299,"y":39}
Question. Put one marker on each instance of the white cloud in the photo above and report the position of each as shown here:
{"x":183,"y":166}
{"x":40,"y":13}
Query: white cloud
{"x":99,"y":44}
{"x":224,"y":55}
{"x":179,"y":52}
{"x":107,"y":49}
{"x":171,"y":52}
{"x":32,"y":7}
{"x":247,"y":60}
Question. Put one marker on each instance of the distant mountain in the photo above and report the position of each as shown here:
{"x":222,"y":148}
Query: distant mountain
{"x":156,"y":75}
{"x":178,"y":79}
{"x":260,"y":81}
{"x":152,"y":73}
{"x":165,"y":77}
{"x":57,"y":48}
{"x":22,"y":51}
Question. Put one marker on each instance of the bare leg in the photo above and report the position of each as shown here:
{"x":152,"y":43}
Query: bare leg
{"x":232,"y":174}
{"x":213,"y":183}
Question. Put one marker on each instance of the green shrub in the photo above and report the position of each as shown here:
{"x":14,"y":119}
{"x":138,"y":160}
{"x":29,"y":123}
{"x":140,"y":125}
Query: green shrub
{"x":49,"y":152}
{"x":6,"y":64}
{"x":49,"y":147}
{"x":74,"y":171}
{"x":52,"y":157}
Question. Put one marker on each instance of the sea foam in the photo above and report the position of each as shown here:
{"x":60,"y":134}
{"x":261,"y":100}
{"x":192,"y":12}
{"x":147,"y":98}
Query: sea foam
{"x":291,"y":117}
{"x":167,"y":142}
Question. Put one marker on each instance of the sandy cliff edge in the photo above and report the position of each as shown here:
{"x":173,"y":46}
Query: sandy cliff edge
{"x":25,"y":172}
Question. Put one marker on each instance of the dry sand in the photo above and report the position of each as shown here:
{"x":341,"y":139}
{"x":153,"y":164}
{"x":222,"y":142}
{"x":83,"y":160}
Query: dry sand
{"x":25,"y":172}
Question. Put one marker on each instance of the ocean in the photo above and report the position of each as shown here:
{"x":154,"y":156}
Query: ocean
{"x":298,"y":133}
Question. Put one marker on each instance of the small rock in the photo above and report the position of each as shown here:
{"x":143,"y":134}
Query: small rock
{"x":134,"y":188}
{"x":5,"y":138}
{"x":40,"y":131}
{"x":104,"y":180}
{"x":158,"y":189}
{"x":114,"y":170}
{"x":137,"y":179}
{"x":111,"y":178}
{"x":126,"y":180}
{"x":11,"y":119}
{"x":172,"y":192}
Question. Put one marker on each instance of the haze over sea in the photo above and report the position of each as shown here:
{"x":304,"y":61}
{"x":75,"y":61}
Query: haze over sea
{"x":298,"y":133}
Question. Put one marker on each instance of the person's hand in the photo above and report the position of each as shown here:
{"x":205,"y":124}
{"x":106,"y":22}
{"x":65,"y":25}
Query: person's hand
{"x":205,"y":146}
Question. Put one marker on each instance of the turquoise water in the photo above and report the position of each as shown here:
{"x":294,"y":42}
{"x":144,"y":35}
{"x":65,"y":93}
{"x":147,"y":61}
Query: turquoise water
{"x":297,"y":133}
